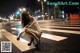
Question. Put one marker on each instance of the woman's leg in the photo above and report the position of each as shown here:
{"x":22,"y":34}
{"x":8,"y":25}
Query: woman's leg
{"x":30,"y":37}
{"x":31,"y":40}
{"x":38,"y":36}
{"x":34,"y":36}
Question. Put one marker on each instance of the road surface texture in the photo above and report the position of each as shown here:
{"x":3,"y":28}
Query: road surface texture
{"x":57,"y":37}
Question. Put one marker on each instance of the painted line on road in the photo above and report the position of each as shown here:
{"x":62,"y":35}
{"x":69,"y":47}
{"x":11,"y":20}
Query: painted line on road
{"x":14,"y":28}
{"x":59,"y":30}
{"x":21,"y":45}
{"x":60,"y":27}
{"x":50,"y":36}
{"x":53,"y":37}
{"x":63,"y":31}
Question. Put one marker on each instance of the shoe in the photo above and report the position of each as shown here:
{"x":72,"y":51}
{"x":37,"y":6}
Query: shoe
{"x":29,"y":44}
{"x":18,"y":38}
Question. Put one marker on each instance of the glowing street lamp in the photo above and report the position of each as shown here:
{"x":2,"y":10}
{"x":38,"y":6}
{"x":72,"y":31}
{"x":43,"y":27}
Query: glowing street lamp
{"x":62,"y":14}
{"x":0,"y":17}
{"x":38,"y":0}
{"x":44,"y":0}
{"x":22,"y":9}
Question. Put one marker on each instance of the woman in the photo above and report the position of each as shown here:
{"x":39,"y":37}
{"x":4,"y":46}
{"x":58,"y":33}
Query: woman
{"x":30,"y":27}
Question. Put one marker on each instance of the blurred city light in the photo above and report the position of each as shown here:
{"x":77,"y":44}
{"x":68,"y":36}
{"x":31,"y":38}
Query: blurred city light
{"x":22,"y":9}
{"x":42,"y":15}
{"x":55,"y":5}
{"x":39,"y":16}
{"x":4,"y":19}
{"x":45,"y":13}
{"x":44,"y":0}
{"x":38,"y":0}
{"x":18,"y":12}
{"x":11,"y":17}
{"x":0,"y":17}
{"x":42,"y":4}
{"x":62,"y":14}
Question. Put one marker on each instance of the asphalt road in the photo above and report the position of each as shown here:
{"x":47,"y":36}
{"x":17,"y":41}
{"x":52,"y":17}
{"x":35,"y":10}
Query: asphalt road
{"x":69,"y":45}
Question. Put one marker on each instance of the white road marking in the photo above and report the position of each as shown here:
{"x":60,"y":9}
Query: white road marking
{"x":53,"y":37}
{"x":60,"y":27}
{"x":57,"y":24}
{"x":14,"y":28}
{"x":63,"y":31}
{"x":21,"y":45}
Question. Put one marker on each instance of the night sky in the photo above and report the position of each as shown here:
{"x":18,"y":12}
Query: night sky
{"x":8,"y":7}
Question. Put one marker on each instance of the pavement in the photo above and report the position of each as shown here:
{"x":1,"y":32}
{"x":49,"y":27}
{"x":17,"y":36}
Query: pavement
{"x":56,"y":38}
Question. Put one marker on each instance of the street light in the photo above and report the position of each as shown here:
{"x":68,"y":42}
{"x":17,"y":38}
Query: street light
{"x":22,"y":9}
{"x":38,"y":0}
{"x":42,"y":7}
{"x":0,"y":17}
{"x":44,"y":0}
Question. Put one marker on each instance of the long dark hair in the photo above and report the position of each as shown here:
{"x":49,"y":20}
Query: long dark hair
{"x":25,"y":18}
{"x":25,"y":14}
